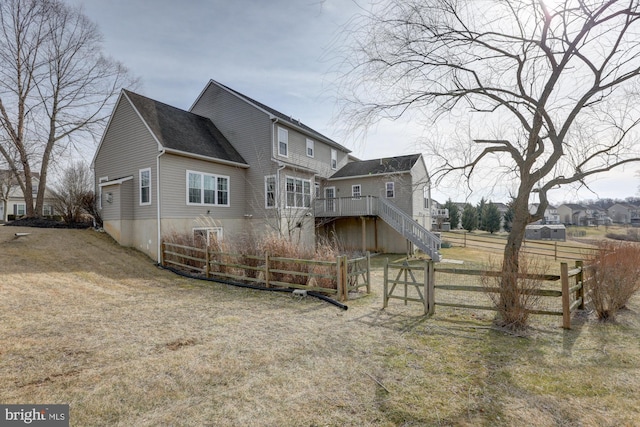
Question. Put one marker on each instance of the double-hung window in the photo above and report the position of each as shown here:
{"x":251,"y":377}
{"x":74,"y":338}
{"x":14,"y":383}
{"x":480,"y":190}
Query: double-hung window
{"x":334,"y":159}
{"x":145,"y":186}
{"x":270,"y":191}
{"x":207,"y":189}
{"x":298,"y":193}
{"x":390,"y":190}
{"x":283,"y":142}
{"x":356,"y":191}
{"x":310,"y":148}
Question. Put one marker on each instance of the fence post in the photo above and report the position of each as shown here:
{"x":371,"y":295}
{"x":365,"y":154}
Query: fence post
{"x":431,"y":284}
{"x":464,"y":245}
{"x":425,"y":292}
{"x":555,"y":251}
{"x":345,"y":278}
{"x":385,"y":299}
{"x":566,"y":304}
{"x":580,"y":278}
{"x":162,"y":249}
{"x":339,"y":281}
{"x":266,"y":269}
{"x":368,"y":272}
{"x":207,"y":259}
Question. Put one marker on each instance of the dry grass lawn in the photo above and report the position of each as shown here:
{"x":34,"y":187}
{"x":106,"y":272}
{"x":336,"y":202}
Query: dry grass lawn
{"x":88,"y":323}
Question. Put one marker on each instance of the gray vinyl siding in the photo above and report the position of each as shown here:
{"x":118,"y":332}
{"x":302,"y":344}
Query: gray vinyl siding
{"x":376,"y":186}
{"x":320,"y":163}
{"x":127,"y":147}
{"x":173,"y":183}
{"x":249,"y":130}
{"x":254,"y":135}
{"x":420,"y":179}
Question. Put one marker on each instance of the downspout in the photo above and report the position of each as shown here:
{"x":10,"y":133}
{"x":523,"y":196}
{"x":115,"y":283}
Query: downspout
{"x":159,"y":240}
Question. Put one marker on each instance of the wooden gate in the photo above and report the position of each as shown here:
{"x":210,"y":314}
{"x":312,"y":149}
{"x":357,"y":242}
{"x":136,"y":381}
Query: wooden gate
{"x":406,"y":277}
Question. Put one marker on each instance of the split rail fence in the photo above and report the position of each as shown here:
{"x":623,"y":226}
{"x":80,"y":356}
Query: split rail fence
{"x":335,"y":278}
{"x":555,"y":249}
{"x":432,"y":287}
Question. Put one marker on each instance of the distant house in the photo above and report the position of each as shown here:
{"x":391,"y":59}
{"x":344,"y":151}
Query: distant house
{"x":13,"y":204}
{"x":546,"y":232}
{"x":624,"y":213}
{"x":551,"y":215}
{"x":232,"y":166}
{"x":573,"y":214}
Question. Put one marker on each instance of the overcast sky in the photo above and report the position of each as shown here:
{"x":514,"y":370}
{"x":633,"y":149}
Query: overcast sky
{"x":279,"y":52}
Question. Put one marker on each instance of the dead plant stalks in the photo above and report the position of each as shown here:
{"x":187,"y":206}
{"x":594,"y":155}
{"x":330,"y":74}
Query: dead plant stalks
{"x":614,"y":277}
{"x":514,"y":294}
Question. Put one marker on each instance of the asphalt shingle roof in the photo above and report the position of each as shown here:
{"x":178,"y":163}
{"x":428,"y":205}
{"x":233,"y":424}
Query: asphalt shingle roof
{"x":377,"y":166}
{"x":184,"y":131}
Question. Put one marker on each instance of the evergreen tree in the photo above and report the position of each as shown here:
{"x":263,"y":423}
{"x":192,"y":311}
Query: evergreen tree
{"x":508,"y":218}
{"x":469,"y":218}
{"x":491,"y":218}
{"x":454,"y":214}
{"x":480,"y":209}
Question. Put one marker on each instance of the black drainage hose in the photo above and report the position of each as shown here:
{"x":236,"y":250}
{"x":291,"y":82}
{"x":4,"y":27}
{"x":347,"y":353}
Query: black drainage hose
{"x":256,"y":287}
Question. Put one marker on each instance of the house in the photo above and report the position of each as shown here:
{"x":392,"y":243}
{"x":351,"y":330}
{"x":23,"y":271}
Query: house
{"x":624,"y":213}
{"x":402,"y":181}
{"x":13,"y":204}
{"x":573,"y":214}
{"x":551,"y":215}
{"x":230,"y":166}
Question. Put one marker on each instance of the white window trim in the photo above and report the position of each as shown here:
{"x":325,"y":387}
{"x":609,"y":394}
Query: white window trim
{"x":218,"y":231}
{"x":393,"y":190}
{"x":275,"y":192}
{"x":24,"y":209}
{"x":215,"y":177}
{"x":140,"y":172}
{"x":285,"y":133}
{"x":353,"y":191}
{"x":311,"y":147}
{"x":334,"y":159}
{"x":286,"y":198}
{"x":101,"y":180}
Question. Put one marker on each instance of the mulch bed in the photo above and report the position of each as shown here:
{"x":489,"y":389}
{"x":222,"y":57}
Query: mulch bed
{"x":47,"y":223}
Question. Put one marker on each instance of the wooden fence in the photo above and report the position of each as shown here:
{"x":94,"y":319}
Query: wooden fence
{"x":336,"y":278}
{"x":555,"y":249}
{"x":424,"y":278}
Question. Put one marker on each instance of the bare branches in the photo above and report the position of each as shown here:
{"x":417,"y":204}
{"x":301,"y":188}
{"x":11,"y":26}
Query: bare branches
{"x":55,"y":83}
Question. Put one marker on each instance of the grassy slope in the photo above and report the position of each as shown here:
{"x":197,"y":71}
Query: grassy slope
{"x":85,"y":322}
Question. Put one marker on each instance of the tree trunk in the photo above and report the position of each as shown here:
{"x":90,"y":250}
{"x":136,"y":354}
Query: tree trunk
{"x":511,"y":261}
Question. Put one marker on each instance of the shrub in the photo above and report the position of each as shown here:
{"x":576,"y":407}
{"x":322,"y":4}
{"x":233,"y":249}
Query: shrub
{"x":514,"y":295}
{"x":613,"y":277}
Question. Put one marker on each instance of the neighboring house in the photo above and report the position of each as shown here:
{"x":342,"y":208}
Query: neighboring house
{"x":551,"y":215}
{"x":12,"y":200}
{"x":230,"y":166}
{"x":573,"y":214}
{"x":624,"y":213}
{"x":597,"y":216}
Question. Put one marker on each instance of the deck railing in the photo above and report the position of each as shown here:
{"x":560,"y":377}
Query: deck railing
{"x":424,"y":239}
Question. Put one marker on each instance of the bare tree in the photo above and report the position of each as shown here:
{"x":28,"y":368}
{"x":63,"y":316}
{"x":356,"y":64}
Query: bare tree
{"x":55,"y":86}
{"x":549,"y":89}
{"x":70,"y":195}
